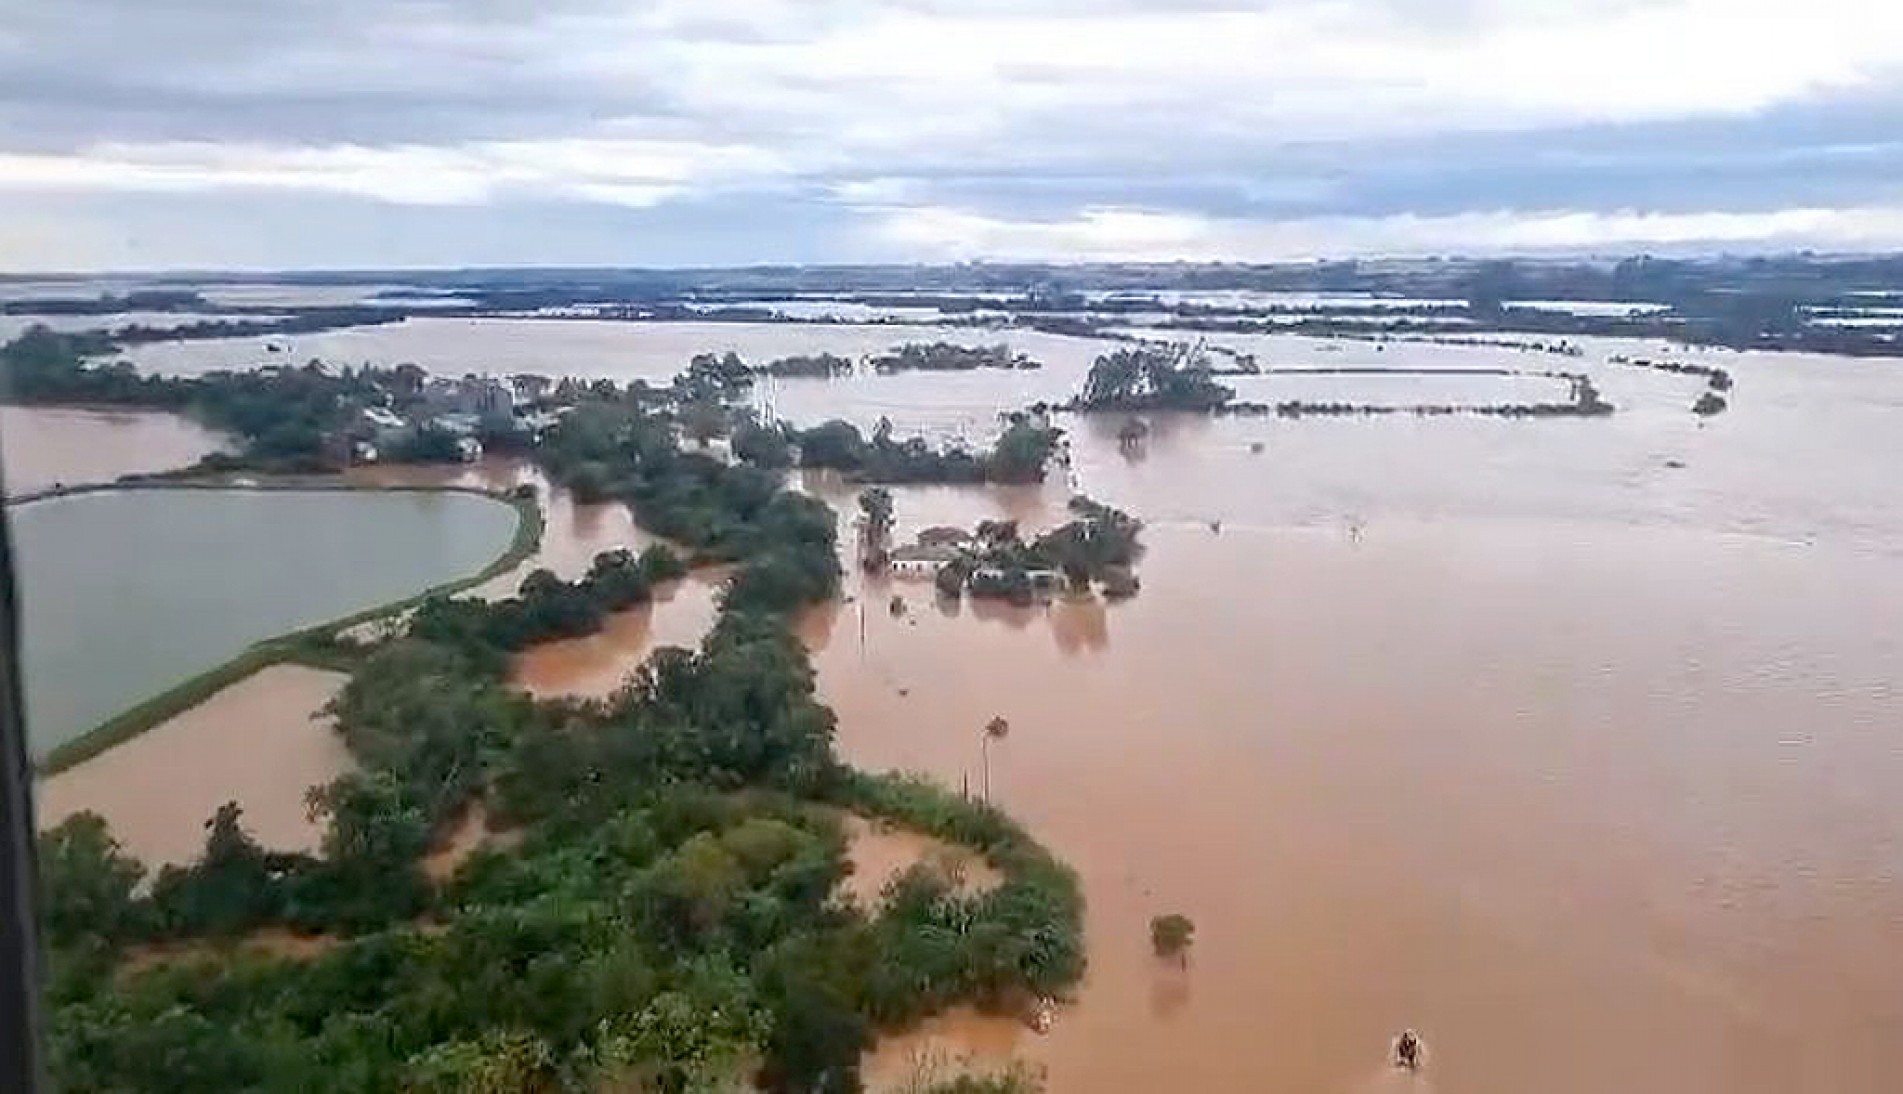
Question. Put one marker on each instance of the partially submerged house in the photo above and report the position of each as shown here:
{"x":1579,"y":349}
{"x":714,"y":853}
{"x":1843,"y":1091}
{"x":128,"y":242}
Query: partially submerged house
{"x":920,"y":559}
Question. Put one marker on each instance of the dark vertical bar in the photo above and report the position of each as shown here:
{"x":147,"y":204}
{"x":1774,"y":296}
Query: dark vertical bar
{"x":20,"y":1055}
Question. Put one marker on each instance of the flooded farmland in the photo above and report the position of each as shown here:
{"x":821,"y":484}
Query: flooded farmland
{"x":1532,"y":735}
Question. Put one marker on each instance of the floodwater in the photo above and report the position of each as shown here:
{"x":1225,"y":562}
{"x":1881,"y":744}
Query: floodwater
{"x":1514,"y":732}
{"x":573,"y":533}
{"x":1569,"y":743}
{"x":880,"y":852}
{"x":595,"y":667}
{"x":1439,"y":777}
{"x":941,"y":1049}
{"x":46,"y":446}
{"x":126,"y":593}
{"x":1388,"y":387}
{"x":260,"y":743}
{"x":589,"y":348}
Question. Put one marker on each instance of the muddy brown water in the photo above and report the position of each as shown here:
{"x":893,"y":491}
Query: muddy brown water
{"x":1571,"y":744}
{"x":880,"y":852}
{"x":1403,"y":786}
{"x":596,"y":666}
{"x":47,"y":446}
{"x":260,"y":742}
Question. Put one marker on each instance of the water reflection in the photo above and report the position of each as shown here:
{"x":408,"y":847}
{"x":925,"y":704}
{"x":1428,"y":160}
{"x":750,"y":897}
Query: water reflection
{"x":1169,"y":989}
{"x":1081,"y":624}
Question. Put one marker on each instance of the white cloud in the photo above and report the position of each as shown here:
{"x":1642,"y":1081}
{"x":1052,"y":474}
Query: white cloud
{"x":941,"y":121}
{"x":1135,"y":235}
{"x":619,"y":172}
{"x":910,"y":82}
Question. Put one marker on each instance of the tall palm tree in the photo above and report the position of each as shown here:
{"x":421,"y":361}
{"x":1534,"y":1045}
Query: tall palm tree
{"x":995,"y":730}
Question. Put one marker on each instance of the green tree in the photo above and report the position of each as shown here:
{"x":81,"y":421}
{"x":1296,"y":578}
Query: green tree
{"x":1022,"y":451}
{"x":1171,"y":936}
{"x":499,"y":1062}
{"x":876,"y":504}
{"x":589,"y":481}
{"x":227,"y":891}
{"x":837,"y":445}
{"x":87,"y":882}
{"x":762,"y":446}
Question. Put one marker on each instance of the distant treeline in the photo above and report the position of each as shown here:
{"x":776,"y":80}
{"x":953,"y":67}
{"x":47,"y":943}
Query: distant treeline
{"x":823,"y":366}
{"x":110,"y":303}
{"x":305,"y":321}
{"x":1717,"y":378}
{"x":1298,"y":408}
{"x":107,"y":338}
{"x":1760,"y":302}
{"x":909,"y":357}
{"x":287,"y":417}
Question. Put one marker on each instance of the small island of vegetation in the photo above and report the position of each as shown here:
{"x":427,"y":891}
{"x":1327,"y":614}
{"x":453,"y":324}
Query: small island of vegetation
{"x":1153,"y":376}
{"x":946,"y":357}
{"x":821,"y":366}
{"x":1098,"y":546}
{"x":1021,"y":454}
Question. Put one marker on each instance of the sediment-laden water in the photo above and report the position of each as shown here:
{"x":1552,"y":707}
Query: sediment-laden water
{"x":1569,"y":743}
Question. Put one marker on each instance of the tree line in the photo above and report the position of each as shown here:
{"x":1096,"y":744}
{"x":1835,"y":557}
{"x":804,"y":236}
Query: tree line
{"x":1021,"y":454}
{"x":281,"y":415}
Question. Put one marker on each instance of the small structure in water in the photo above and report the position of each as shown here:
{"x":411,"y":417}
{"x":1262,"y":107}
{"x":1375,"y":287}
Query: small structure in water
{"x":1409,"y":1053}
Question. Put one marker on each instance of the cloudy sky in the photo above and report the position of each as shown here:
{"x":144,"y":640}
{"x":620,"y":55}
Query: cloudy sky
{"x":324,"y":133}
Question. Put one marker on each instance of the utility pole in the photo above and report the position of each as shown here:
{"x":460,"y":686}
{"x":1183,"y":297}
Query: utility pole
{"x":984,"y":750}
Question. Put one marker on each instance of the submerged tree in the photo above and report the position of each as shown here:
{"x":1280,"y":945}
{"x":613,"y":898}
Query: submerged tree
{"x":1171,"y":936}
{"x":1152,"y":377}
